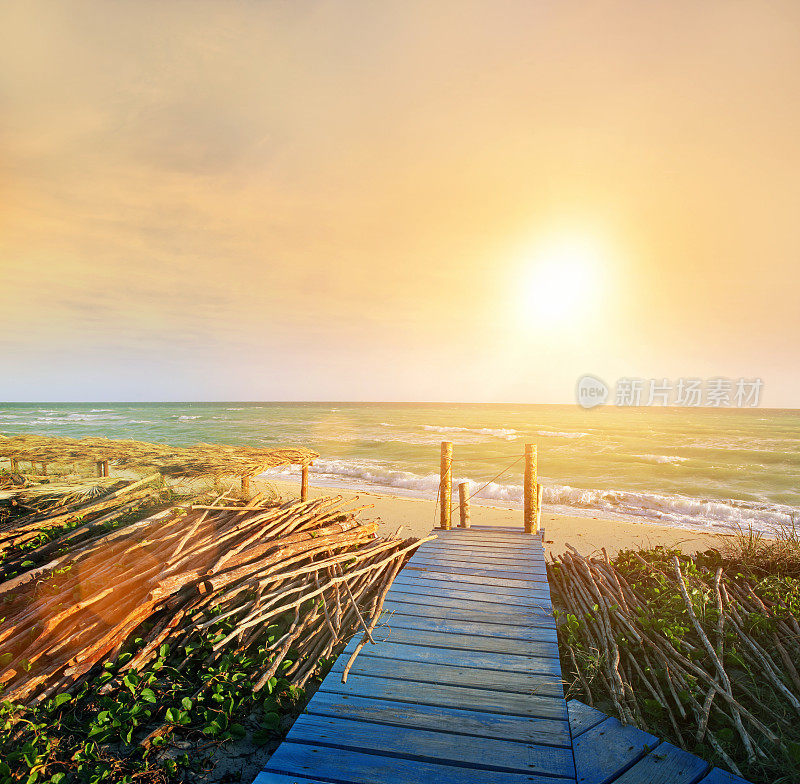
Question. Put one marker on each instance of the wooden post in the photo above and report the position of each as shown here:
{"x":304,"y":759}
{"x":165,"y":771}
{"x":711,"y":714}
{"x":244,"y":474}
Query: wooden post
{"x":99,"y":466}
{"x":529,"y":488}
{"x":304,"y":484}
{"x":106,"y":471}
{"x":14,"y":466}
{"x":246,"y":487}
{"x":446,"y":485}
{"x":44,"y":469}
{"x":539,"y":490}
{"x":463,"y":504}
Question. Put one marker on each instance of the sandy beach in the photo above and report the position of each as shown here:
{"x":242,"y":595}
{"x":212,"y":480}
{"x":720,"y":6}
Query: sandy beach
{"x":417,"y":517}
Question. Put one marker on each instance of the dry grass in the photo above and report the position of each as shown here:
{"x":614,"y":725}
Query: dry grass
{"x":754,"y":553}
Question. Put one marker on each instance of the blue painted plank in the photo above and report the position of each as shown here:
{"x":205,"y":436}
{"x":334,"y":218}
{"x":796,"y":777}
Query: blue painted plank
{"x":453,"y":596}
{"x":482,"y":576}
{"x":443,"y":583}
{"x":527,"y":729}
{"x":454,"y":626}
{"x":446,"y":696}
{"x":582,"y":717}
{"x":539,"y":600}
{"x":479,"y":554}
{"x":490,"y":754}
{"x":489,"y":534}
{"x":425,"y":610}
{"x":480,"y":571}
{"x":267,"y":777}
{"x":666,"y":764}
{"x":546,"y":662}
{"x":352,"y":767}
{"x":543,"y":684}
{"x":519,"y":571}
{"x":459,"y":642}
{"x":720,"y":776}
{"x":607,"y":750}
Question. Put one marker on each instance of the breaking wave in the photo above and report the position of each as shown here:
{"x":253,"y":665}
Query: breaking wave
{"x":673,"y":510}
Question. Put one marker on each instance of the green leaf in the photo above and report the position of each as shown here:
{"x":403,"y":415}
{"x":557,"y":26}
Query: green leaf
{"x":237,"y":730}
{"x":187,"y":703}
{"x":271,"y":720}
{"x":60,"y":699}
{"x":148,"y":695}
{"x":793,"y":749}
{"x":171,"y":716}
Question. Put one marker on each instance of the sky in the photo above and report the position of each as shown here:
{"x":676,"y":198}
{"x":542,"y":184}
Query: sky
{"x":444,"y":201}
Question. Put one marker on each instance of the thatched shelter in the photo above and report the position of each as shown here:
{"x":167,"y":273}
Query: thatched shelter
{"x":192,"y":461}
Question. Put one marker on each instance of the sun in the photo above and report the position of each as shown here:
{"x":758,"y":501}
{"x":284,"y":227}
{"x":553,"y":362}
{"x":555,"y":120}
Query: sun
{"x":561,"y":280}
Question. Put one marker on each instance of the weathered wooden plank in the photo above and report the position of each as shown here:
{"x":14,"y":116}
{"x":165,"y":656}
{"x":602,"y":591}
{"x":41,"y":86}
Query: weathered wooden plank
{"x":475,"y":575}
{"x":526,"y":547}
{"x":456,"y":559}
{"x":429,"y":746}
{"x":543,"y":607}
{"x":549,"y":732}
{"x":489,"y":533}
{"x":443,"y":583}
{"x":720,"y":776}
{"x":528,"y":571}
{"x":461,"y":642}
{"x":607,"y":750}
{"x":480,"y":554}
{"x":457,"y":580}
{"x":547,"y":662}
{"x":268,"y":777}
{"x":540,"y":683}
{"x":470,"y":556}
{"x":582,"y":717}
{"x":454,"y":626}
{"x":353,"y":767}
{"x":508,"y":548}
{"x":476,"y":567}
{"x":446,"y":696}
{"x":508,"y":618}
{"x":533,"y":600}
{"x":666,"y":764}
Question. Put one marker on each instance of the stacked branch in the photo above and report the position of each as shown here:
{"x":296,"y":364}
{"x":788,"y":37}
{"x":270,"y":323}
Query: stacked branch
{"x":26,"y":512}
{"x":225,"y":572}
{"x":725,"y":674}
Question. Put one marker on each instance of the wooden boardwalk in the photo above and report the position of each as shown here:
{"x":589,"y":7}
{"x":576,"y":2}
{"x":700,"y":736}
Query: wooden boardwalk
{"x":463,"y":687}
{"x":608,"y":752}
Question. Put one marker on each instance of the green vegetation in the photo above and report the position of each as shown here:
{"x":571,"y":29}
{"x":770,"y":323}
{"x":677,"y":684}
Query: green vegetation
{"x":701,"y":651}
{"x":164,"y":722}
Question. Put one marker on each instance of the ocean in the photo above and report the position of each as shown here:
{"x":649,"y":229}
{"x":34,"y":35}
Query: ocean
{"x":698,"y":468}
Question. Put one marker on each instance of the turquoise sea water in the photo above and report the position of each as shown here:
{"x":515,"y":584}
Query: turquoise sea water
{"x":698,"y":468}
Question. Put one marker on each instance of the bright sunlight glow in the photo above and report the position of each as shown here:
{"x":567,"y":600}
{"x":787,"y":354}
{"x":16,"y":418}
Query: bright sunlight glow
{"x":561,"y":281}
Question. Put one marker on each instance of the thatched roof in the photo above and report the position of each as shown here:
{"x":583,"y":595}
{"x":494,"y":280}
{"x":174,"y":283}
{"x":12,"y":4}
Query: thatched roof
{"x":202,"y":459}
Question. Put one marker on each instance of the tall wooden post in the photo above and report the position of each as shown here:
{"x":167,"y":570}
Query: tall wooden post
{"x":99,"y":465}
{"x":106,"y":472}
{"x":246,"y":487}
{"x":529,"y":489}
{"x":446,"y":485}
{"x":463,"y":504}
{"x":14,"y":466}
{"x":304,"y":484}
